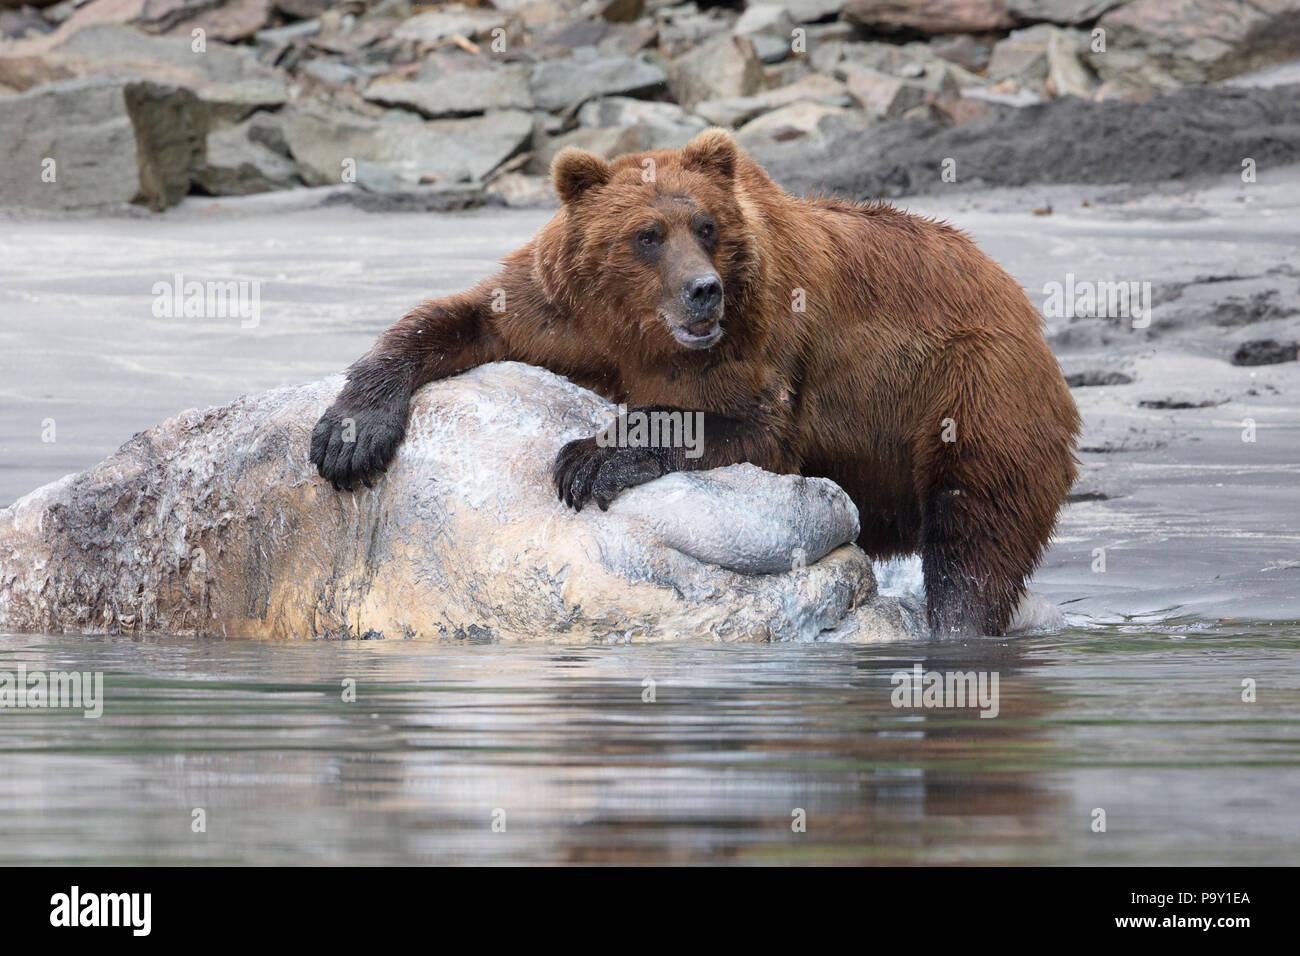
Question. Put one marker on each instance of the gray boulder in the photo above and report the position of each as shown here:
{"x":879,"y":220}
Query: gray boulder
{"x":929,"y":16}
{"x":764,"y":19}
{"x":724,"y":67}
{"x":686,"y":27}
{"x":797,"y":121}
{"x":229,"y":80}
{"x":1022,"y":56}
{"x":215,"y":523}
{"x":881,"y":94}
{"x":736,"y":110}
{"x":227,"y":20}
{"x":463,"y":93}
{"x":238,"y":165}
{"x":100,"y":142}
{"x":559,"y":83}
{"x":327,"y":142}
{"x":666,"y":124}
{"x":810,"y":11}
{"x":609,"y":142}
{"x":1167,"y":43}
{"x":1068,"y":12}
{"x":453,"y":20}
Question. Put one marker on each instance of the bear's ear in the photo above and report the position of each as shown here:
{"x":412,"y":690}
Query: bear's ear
{"x":574,"y":171}
{"x":712,"y":151}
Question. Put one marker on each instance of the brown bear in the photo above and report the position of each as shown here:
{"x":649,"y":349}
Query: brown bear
{"x":821,"y":337}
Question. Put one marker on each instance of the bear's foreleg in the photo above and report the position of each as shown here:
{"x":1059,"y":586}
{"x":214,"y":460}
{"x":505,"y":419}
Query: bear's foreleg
{"x":359,"y":434}
{"x":625,"y":454}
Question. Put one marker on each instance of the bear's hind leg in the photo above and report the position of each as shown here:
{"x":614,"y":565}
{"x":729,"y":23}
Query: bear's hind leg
{"x":974,"y":571}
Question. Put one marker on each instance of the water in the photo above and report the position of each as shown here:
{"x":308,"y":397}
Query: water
{"x":1147,"y":725}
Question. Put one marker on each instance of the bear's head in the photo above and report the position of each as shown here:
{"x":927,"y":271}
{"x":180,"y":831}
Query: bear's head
{"x":657,"y":244}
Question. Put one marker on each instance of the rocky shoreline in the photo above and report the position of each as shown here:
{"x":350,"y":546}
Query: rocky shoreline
{"x":116,"y":102}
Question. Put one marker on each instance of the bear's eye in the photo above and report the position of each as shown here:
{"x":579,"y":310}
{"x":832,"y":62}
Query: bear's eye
{"x":706,"y":231}
{"x":648,"y":238}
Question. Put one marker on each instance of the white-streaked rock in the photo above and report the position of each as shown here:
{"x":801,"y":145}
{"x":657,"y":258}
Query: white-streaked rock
{"x":216,"y":523}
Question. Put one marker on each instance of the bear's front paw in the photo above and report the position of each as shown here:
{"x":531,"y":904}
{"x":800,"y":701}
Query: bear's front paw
{"x":350,"y":445}
{"x":585,"y":471}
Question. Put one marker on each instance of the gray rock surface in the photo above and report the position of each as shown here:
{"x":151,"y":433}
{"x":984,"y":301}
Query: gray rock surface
{"x":109,"y":142}
{"x":738,"y":110}
{"x":930,"y":16}
{"x":436,"y":25}
{"x":667,"y":124}
{"x":810,"y":11}
{"x":1068,"y":140}
{"x":574,"y":80}
{"x":799,"y":121}
{"x":449,"y":150}
{"x":1061,"y":11}
{"x":1166,"y":43}
{"x":764,"y":19}
{"x":725,"y":66}
{"x":606,"y":141}
{"x":216,"y":523}
{"x":232,"y":83}
{"x":238,"y":165}
{"x":458,"y":94}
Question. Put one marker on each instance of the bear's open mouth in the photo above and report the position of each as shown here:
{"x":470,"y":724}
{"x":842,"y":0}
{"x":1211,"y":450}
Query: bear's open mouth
{"x":700,"y":335}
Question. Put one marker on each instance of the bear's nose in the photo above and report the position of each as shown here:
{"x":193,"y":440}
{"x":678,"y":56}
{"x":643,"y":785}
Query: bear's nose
{"x":703,"y":295}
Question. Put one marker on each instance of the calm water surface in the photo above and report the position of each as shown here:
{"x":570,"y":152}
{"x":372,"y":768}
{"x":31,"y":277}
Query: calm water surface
{"x":443,"y":740}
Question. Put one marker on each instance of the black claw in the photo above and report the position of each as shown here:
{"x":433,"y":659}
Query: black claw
{"x":349,"y":465}
{"x":585,"y":476}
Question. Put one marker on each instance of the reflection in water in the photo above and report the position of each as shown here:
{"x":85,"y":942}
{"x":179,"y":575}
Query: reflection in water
{"x":557,"y":743}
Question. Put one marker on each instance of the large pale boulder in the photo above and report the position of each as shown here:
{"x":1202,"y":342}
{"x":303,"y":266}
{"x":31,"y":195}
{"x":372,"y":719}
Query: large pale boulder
{"x":216,"y":523}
